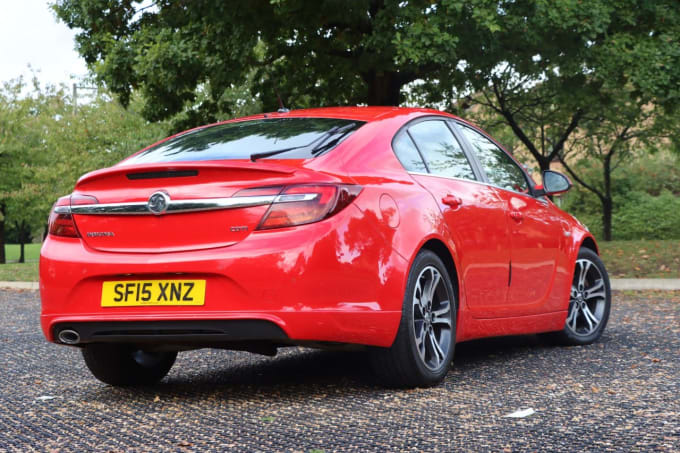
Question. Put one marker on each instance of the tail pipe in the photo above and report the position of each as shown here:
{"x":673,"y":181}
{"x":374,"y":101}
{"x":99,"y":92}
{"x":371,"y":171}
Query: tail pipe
{"x":69,"y":336}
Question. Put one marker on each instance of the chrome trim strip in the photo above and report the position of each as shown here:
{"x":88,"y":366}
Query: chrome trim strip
{"x":177,"y":206}
{"x":62,"y":209}
{"x":483,"y":183}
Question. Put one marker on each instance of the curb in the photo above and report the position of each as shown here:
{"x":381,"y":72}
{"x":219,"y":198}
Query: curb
{"x":618,"y":284}
{"x":637,"y":284}
{"x":19,"y":285}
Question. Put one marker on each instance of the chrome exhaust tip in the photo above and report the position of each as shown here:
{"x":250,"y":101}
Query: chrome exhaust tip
{"x":68,"y":336}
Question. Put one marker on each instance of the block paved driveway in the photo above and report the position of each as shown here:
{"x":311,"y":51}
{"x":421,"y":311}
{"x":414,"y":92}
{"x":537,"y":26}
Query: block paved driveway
{"x":621,"y":394}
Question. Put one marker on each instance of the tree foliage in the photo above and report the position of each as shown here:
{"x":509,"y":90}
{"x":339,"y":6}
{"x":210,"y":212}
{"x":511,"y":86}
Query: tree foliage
{"x":46,"y":144}
{"x":185,"y":55}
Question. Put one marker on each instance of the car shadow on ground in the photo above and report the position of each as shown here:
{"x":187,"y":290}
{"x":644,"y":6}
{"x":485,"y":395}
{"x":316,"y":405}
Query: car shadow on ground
{"x":300,"y":372}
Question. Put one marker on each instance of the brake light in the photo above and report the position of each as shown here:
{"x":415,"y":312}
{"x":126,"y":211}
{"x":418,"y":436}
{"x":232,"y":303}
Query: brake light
{"x":61,"y":220}
{"x":303,"y":204}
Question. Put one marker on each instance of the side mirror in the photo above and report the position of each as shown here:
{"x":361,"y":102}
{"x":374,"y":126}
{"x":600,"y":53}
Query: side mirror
{"x":555,"y":183}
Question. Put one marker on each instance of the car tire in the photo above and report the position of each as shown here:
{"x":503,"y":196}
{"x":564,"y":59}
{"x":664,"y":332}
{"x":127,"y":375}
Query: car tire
{"x":422,"y":351}
{"x":589,"y":302}
{"x":122,"y":365}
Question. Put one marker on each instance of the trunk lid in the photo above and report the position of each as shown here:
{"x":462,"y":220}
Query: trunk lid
{"x":209,"y":204}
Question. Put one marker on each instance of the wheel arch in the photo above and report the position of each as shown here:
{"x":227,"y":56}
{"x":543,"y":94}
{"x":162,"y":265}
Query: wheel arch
{"x":440,"y":249}
{"x":589,"y":243}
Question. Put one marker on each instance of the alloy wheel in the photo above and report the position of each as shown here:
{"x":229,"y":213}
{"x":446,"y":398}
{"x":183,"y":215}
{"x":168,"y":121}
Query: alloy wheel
{"x":432,"y":318}
{"x":587,"y":300}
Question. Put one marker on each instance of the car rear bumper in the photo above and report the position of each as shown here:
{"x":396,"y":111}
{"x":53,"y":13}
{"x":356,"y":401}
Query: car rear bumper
{"x":313,"y":282}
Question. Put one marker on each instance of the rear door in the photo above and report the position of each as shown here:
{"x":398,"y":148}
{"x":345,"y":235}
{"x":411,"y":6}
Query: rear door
{"x":472,"y":211}
{"x":536,"y":231}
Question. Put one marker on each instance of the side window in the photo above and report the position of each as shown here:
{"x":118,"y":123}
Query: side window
{"x":408,"y":154}
{"x":441,"y":150}
{"x":501,"y":170}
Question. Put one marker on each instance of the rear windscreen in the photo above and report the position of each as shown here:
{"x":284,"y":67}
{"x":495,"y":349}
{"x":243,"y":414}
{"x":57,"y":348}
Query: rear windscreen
{"x":277,"y":138}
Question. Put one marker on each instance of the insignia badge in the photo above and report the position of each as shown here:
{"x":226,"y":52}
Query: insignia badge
{"x":158,"y":203}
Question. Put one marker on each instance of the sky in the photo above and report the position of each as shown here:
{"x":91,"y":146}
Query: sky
{"x":30,"y":34}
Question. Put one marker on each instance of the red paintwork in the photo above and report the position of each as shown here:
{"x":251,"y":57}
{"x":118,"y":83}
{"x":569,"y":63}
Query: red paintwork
{"x":341,"y":279}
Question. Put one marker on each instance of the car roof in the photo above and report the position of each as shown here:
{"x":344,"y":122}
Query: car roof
{"x":358,"y":113}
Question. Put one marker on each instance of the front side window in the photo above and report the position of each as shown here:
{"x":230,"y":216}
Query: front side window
{"x":276,"y":138}
{"x":501,"y":170}
{"x":442,"y":152}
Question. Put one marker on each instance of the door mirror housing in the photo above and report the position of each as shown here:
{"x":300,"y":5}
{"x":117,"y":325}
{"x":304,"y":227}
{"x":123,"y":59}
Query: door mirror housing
{"x":554,"y":183}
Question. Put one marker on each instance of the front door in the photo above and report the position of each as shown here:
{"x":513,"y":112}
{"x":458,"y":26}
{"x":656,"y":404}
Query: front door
{"x":536,"y":234}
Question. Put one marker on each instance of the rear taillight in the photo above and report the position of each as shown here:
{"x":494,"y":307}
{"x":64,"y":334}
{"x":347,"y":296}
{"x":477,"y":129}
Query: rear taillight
{"x":302,"y":204}
{"x":61,"y":220}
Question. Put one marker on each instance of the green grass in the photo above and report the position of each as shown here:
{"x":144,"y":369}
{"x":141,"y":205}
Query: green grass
{"x":15,"y":272}
{"x":624,"y":259}
{"x":641,"y":259}
{"x":31,"y":252}
{"x":20,"y":272}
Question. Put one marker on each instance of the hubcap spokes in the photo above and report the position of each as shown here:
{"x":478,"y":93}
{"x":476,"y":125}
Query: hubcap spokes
{"x":432,"y":318}
{"x":587,"y":299}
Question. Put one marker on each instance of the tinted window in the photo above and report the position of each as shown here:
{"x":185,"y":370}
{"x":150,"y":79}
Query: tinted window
{"x":407,"y":153}
{"x":303,"y":137}
{"x":501,"y":170}
{"x":441,"y":150}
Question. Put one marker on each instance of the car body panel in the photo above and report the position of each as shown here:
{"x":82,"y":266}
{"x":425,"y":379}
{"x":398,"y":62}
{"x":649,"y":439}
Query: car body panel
{"x":339,"y":280}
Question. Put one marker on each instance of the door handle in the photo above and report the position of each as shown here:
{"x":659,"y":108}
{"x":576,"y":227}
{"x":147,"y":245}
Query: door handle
{"x":516,"y":216}
{"x":452,"y":200}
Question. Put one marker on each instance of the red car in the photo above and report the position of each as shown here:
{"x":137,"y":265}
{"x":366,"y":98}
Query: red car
{"x":401,"y":230}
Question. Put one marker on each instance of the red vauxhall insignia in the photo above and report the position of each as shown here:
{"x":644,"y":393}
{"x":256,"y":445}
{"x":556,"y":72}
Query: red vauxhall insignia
{"x":401,"y":230}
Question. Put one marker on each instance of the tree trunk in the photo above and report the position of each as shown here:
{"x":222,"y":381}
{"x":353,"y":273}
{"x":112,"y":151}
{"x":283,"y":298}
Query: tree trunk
{"x":543,"y":163}
{"x":607,"y":200}
{"x":2,"y":234}
{"x":24,"y":230}
{"x":384,"y":88}
{"x":607,"y":208}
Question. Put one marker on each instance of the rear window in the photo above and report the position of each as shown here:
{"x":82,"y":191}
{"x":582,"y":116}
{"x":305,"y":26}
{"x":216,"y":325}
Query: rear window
{"x":277,"y":138}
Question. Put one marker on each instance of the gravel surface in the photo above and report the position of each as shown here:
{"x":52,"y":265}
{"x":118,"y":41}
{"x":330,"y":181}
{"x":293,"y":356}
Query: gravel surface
{"x":620,"y":394}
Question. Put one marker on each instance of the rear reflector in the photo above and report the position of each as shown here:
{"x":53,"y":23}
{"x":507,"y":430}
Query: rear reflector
{"x":303,"y":204}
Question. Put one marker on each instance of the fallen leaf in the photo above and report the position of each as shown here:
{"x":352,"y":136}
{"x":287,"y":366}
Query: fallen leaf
{"x":595,"y":389}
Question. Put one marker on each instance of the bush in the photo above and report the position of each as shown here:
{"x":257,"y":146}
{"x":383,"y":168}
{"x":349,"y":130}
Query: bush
{"x":646,"y":195}
{"x":648,"y":217}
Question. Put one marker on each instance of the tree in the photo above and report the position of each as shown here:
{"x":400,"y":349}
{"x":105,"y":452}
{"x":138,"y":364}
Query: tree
{"x":622,"y":130}
{"x":327,"y":52}
{"x":46,"y":144}
{"x":183,"y":56}
{"x":544,"y":66}
{"x":12,"y":130}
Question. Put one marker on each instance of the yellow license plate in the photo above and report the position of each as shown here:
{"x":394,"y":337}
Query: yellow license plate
{"x":134,"y":293}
